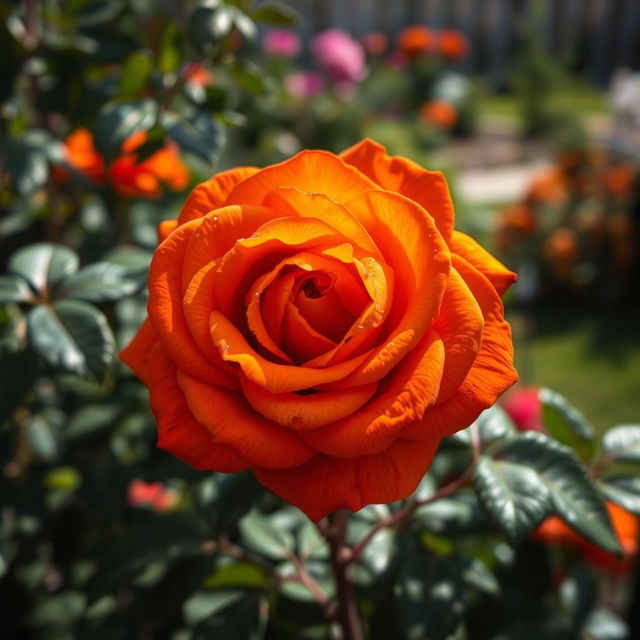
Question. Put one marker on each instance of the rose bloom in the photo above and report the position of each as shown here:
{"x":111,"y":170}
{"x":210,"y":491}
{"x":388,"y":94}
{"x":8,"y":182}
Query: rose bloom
{"x":125,"y":174}
{"x":439,"y":113}
{"x":415,"y":41}
{"x":197,"y":75}
{"x":304,"y":84}
{"x":322,"y":323}
{"x":283,"y":43}
{"x":522,"y":405}
{"x":554,"y":531}
{"x":340,"y":56}
{"x":80,"y":153}
{"x":452,"y":45}
{"x":151,"y":494}
{"x":143,"y":179}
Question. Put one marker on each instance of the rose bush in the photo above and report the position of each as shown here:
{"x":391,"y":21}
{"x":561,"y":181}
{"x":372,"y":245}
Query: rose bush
{"x":322,"y":323}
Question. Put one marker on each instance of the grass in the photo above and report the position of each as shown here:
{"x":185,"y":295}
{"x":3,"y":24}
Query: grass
{"x":593,"y":359}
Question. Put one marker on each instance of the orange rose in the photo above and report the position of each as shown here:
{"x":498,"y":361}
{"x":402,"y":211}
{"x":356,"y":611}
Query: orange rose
{"x":320,"y":322}
{"x":452,"y":44}
{"x":415,"y":41}
{"x":126,"y":174}
{"x":82,"y":155}
{"x":554,"y":531}
{"x":439,"y":113}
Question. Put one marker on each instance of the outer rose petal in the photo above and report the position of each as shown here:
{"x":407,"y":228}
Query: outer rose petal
{"x":309,"y":171}
{"x":137,"y":353}
{"x":227,"y":416}
{"x":327,"y":484}
{"x":166,"y":310}
{"x":499,"y":276}
{"x":492,"y":372}
{"x":178,"y":431}
{"x":427,"y":188}
{"x":212,"y":193}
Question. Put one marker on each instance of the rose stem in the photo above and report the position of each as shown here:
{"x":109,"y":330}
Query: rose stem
{"x":347,"y":612}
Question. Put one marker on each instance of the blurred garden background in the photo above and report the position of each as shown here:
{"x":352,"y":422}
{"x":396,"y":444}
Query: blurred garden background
{"x":112,"y":110}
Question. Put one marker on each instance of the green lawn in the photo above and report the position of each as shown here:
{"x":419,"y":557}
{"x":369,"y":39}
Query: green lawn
{"x":591,"y":358}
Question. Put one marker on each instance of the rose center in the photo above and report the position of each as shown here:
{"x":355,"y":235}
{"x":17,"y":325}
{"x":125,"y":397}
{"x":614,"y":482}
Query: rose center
{"x":312,"y":289}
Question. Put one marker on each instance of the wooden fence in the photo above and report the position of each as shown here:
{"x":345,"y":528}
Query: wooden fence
{"x":592,"y":36}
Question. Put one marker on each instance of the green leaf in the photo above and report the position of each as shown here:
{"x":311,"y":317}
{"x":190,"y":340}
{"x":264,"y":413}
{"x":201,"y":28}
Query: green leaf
{"x":262,"y":536}
{"x":28,"y":158}
{"x":513,"y":495}
{"x":169,"y":50}
{"x":246,"y":618}
{"x":566,"y":424}
{"x":494,"y":424}
{"x":624,"y":491}
{"x":72,"y":337}
{"x":239,"y":575}
{"x":622,"y":443}
{"x":197,"y":133}
{"x":135,"y":74}
{"x":293,"y":588}
{"x":169,"y":537}
{"x":275,"y":14}
{"x":573,"y":496}
{"x":310,"y":543}
{"x":41,"y":438}
{"x":205,"y":604}
{"x":99,"y":282}
{"x":43,"y":265}
{"x":209,"y":26}
{"x":117,"y":121}
{"x":223,"y":500}
{"x":14,"y":290}
{"x":451,"y":516}
{"x":92,"y":419}
{"x":244,"y":24}
{"x":251,"y":77}
{"x":377,"y":555}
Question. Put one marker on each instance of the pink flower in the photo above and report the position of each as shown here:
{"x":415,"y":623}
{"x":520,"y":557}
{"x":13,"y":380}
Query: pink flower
{"x":522,"y":404}
{"x":151,"y":494}
{"x":304,"y":84}
{"x":340,"y":56}
{"x":281,"y":42}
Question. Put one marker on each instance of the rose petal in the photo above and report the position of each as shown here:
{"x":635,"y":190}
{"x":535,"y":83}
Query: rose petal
{"x":166,"y":311}
{"x":402,"y":398}
{"x":459,"y":324}
{"x":232,"y":422}
{"x":178,"y":432}
{"x":427,"y":188}
{"x":252,"y":257}
{"x":218,"y":232}
{"x":310,"y":171}
{"x":412,"y":246}
{"x":136,"y":354}
{"x":499,"y":276}
{"x":212,"y":193}
{"x":276,"y":378}
{"x":293,"y":202}
{"x":492,"y":372}
{"x":327,"y":484}
{"x":306,"y":411}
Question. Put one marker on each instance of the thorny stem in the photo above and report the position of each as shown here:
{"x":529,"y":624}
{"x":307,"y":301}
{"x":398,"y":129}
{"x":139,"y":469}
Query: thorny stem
{"x":401,"y":516}
{"x":347,"y":612}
